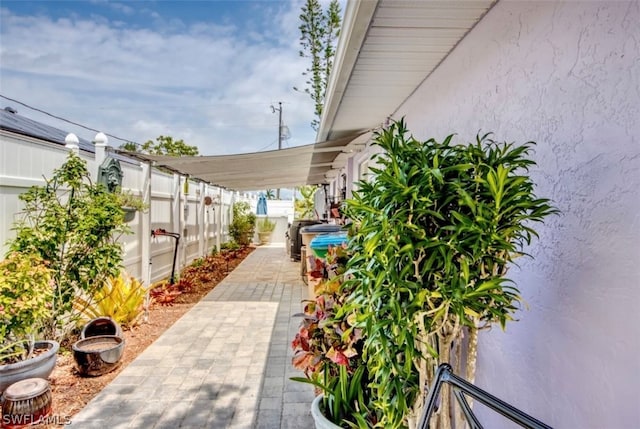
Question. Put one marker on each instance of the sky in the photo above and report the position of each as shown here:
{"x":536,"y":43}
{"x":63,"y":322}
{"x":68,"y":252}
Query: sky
{"x":207,"y":72}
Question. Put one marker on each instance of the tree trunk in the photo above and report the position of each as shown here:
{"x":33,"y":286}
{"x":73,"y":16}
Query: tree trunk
{"x":445,"y":399}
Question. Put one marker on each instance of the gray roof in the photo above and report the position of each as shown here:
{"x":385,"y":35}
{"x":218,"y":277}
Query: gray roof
{"x":12,"y":121}
{"x":18,"y":124}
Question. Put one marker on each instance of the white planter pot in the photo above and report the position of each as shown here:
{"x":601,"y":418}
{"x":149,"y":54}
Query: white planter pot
{"x":320,"y":420}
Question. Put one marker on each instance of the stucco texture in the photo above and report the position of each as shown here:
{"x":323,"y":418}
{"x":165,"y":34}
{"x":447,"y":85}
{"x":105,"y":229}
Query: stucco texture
{"x":566,"y":75}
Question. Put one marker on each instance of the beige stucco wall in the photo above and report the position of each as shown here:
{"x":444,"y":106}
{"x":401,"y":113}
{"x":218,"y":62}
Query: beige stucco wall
{"x":566,"y":75}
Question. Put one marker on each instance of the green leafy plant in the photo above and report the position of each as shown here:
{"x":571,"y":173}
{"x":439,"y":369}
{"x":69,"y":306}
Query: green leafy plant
{"x":26,"y":294}
{"x":328,"y":347}
{"x":130,"y":200}
{"x":74,"y":226}
{"x":229,"y":245}
{"x":265,"y":225}
{"x":433,"y":236}
{"x":121,"y":298}
{"x":243,"y":224}
{"x":304,"y":207}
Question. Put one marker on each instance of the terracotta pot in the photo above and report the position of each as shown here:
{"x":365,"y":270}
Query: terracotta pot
{"x":264,"y":237}
{"x":319,"y":419}
{"x":98,"y":355}
{"x":39,"y":366}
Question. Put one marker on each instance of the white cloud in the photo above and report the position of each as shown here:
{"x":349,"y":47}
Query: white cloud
{"x":206,"y":84}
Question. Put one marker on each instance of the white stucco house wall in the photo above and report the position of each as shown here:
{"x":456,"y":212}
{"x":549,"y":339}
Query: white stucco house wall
{"x":566,"y":75}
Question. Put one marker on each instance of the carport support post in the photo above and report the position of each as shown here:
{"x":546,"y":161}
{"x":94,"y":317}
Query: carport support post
{"x":145,"y":245}
{"x":176,"y":209}
{"x":219,"y":220}
{"x":200,"y":221}
{"x":145,"y":221}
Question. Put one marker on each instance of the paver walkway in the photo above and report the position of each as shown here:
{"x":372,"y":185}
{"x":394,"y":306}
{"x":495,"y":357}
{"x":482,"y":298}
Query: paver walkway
{"x":225,"y":364}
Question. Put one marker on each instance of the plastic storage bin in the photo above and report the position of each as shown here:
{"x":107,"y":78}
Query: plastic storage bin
{"x":320,"y":243}
{"x":309,"y":232}
{"x":294,"y":241}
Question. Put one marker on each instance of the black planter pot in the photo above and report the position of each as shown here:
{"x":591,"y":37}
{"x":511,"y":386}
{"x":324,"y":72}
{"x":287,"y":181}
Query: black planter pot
{"x":98,"y":355}
{"x":101,"y":326}
{"x":39,"y":366}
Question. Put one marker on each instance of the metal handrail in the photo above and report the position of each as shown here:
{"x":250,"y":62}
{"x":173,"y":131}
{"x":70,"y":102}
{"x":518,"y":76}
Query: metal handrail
{"x":460,"y":386}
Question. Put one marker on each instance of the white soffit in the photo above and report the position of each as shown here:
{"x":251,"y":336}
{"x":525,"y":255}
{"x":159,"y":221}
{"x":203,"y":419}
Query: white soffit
{"x":387,"y":48}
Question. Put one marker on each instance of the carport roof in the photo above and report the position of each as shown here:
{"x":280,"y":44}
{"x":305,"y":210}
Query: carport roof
{"x":285,"y":168}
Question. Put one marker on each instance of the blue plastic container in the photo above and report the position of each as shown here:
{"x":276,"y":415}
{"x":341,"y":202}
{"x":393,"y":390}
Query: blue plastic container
{"x":320,"y":243}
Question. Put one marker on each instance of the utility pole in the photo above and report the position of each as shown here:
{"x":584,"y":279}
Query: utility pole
{"x":279,"y":128}
{"x":279,"y":109}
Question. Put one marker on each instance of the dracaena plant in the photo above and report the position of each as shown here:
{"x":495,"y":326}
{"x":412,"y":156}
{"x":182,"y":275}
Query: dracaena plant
{"x":328,"y":347}
{"x":433,"y":236}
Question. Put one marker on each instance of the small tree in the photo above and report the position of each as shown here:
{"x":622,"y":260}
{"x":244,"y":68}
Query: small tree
{"x":243,"y":224}
{"x":319,"y":32}
{"x":164,"y":145}
{"x":73,"y":225}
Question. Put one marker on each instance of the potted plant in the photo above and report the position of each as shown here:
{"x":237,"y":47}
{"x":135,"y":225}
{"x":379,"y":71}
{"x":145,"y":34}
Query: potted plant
{"x":25,"y":306}
{"x":328,"y":349}
{"x":265,"y":228}
{"x":130,"y":204}
{"x":432,"y":238}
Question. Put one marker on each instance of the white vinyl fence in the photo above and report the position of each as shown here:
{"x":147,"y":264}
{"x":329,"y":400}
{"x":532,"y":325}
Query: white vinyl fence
{"x":174,"y":206}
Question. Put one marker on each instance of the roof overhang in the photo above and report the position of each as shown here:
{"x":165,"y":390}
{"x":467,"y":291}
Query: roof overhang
{"x":285,"y":168}
{"x":387,"y":48}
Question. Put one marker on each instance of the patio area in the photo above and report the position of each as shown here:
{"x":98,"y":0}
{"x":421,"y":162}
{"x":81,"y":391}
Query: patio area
{"x":225,"y":364}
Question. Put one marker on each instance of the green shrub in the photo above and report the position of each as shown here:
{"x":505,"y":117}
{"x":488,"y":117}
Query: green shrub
{"x":26,"y":297}
{"x":243,"y":224}
{"x":229,"y":245}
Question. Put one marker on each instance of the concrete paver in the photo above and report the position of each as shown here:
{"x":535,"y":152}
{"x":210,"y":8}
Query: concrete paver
{"x":225,"y":364}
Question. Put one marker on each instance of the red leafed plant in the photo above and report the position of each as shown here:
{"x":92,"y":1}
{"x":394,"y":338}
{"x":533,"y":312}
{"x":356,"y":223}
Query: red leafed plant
{"x":328,"y":347}
{"x":202,"y":270}
{"x":325,"y":336}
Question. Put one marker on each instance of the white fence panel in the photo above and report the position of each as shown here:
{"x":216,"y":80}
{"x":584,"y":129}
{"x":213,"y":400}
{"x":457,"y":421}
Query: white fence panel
{"x":25,"y":161}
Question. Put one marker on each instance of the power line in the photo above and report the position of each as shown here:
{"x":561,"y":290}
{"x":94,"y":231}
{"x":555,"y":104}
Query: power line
{"x":86,"y":127}
{"x":264,"y":147}
{"x":66,"y":120}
